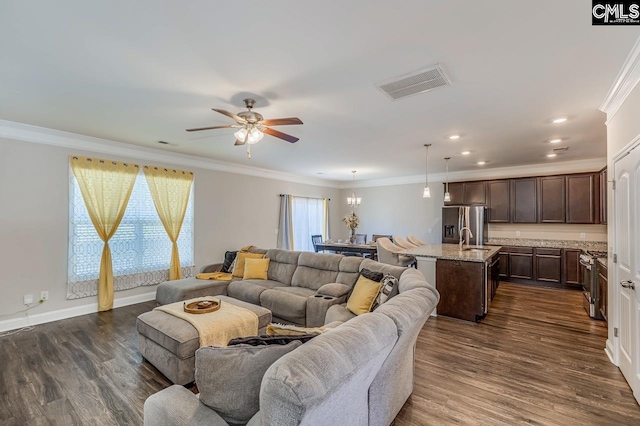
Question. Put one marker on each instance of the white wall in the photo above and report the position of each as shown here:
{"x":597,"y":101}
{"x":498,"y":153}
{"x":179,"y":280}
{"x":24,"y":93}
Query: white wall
{"x":396,"y":210}
{"x":231,"y":210}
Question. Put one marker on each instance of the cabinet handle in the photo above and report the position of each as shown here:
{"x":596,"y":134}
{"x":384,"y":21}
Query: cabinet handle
{"x":628,"y":284}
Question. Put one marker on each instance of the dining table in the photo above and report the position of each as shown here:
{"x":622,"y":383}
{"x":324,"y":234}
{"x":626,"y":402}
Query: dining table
{"x":364,"y":249}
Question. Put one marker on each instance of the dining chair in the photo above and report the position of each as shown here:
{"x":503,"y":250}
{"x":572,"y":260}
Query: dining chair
{"x":375,"y":237}
{"x":388,"y":253}
{"x":414,"y":240}
{"x":361,"y":238}
{"x":316,"y":239}
{"x":399,"y":241}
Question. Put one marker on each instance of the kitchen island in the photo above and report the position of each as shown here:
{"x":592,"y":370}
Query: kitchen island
{"x":466,"y":278}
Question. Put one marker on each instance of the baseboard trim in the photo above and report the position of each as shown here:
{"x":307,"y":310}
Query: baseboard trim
{"x":609,"y":351}
{"x":60,"y":314}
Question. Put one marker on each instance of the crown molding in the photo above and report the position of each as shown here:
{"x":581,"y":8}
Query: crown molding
{"x":551,"y":168}
{"x":46,"y":136}
{"x":627,"y":79}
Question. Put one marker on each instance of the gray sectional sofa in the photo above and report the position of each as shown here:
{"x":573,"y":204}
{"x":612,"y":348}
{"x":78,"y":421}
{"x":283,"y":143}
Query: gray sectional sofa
{"x":359,"y":373}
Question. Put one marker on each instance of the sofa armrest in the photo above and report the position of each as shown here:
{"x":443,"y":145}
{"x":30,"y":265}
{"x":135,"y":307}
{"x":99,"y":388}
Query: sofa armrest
{"x":177,"y":406}
{"x":317,"y":307}
{"x":215,"y":267}
{"x":334,"y":290}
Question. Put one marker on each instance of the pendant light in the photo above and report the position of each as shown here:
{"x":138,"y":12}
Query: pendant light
{"x":447,"y":196}
{"x":354,"y":201}
{"x":427,"y":192}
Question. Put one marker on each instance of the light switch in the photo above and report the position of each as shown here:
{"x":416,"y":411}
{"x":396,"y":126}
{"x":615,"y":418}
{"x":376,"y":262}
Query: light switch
{"x":583,"y":235}
{"x":517,"y":233}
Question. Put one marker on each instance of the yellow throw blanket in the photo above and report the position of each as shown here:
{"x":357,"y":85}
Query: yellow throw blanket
{"x":218,"y":327}
{"x":220,"y":276}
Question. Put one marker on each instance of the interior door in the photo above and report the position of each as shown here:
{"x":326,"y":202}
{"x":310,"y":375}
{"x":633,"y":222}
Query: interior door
{"x":627,"y":248}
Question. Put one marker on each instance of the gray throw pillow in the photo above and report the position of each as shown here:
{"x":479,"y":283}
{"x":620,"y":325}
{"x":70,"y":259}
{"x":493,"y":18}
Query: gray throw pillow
{"x":387,"y":291}
{"x":229,"y":377}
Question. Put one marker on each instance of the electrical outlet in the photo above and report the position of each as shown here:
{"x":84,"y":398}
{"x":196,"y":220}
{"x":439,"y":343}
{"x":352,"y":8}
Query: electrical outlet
{"x":28,"y":299}
{"x":276,"y":231}
{"x":430,"y":231}
{"x":517,"y":233}
{"x":44,"y":295}
{"x":583,"y":235}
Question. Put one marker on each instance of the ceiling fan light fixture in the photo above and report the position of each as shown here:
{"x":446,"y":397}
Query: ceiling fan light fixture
{"x":255,"y":136}
{"x":241,"y":134}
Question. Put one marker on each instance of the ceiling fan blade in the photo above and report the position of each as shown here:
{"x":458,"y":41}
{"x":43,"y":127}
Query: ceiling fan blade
{"x":210,"y":128}
{"x":280,"y":135}
{"x":282,"y":121}
{"x":231,"y":115}
{"x":238,"y":142}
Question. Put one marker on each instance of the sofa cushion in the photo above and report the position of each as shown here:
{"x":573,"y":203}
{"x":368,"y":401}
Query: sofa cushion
{"x":334,"y":290}
{"x":250,"y":290}
{"x":238,"y":271}
{"x":349,"y":270}
{"x":364,"y":295}
{"x":338,"y":313}
{"x":316,"y":269}
{"x":229,"y":378}
{"x":283,"y":265}
{"x":288,"y":303}
{"x":255,"y":269}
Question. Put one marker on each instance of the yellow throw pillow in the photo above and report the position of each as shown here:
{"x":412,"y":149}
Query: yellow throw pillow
{"x":255,"y":269}
{"x":363,"y":296}
{"x":238,"y":272}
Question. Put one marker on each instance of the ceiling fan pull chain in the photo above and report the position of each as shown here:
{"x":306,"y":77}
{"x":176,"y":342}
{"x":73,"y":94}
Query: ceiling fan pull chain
{"x":249,"y":151}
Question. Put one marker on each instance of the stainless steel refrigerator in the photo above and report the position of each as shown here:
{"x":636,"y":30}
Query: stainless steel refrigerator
{"x":455,"y":218}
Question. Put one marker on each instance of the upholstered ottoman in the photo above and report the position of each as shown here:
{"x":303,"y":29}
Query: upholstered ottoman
{"x":170,"y":343}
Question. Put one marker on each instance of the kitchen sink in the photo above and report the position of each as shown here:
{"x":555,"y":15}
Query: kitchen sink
{"x":474,"y":249}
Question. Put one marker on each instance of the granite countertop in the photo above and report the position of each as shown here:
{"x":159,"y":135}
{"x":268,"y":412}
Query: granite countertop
{"x":604,"y":261}
{"x":453,"y":252}
{"x":568,"y":244}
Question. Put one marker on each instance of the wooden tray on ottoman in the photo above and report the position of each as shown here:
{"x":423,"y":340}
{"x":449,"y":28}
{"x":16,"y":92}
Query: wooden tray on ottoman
{"x":202,"y":307}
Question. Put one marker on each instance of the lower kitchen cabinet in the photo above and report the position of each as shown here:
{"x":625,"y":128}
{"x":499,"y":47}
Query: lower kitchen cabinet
{"x":548,"y":265}
{"x":603,"y":287}
{"x":462,"y":288}
{"x":521,"y":262}
{"x":504,"y":264}
{"x":571,"y":267}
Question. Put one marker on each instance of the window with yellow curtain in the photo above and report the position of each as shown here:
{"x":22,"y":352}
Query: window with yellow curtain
{"x":140,"y":248}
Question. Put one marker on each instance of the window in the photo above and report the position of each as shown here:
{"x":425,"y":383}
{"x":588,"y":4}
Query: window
{"x":308,"y":219}
{"x":140,"y":248}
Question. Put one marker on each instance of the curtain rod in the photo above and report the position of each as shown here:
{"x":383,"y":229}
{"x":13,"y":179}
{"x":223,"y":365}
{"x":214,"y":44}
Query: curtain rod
{"x":311,"y":198}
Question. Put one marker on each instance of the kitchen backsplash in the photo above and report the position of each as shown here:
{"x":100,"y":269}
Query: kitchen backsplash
{"x":549,"y":231}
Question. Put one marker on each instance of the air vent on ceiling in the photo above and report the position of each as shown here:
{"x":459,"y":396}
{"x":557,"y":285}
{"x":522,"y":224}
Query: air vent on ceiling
{"x":414,"y":83}
{"x":561,"y":149}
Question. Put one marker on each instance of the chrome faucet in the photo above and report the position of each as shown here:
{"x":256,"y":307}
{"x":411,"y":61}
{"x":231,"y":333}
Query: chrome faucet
{"x":461,"y":234}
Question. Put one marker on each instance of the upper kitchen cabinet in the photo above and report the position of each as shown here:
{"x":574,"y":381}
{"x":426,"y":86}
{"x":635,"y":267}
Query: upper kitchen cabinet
{"x":581,"y":198}
{"x":524,"y":200}
{"x":603,"y":196}
{"x":499,"y":197}
{"x":551,"y":194}
{"x":456,"y":191}
{"x":467,"y":193}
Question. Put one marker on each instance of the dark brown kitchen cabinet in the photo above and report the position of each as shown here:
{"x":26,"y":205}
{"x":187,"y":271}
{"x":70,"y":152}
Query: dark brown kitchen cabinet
{"x":499,"y":198}
{"x":467,"y":193}
{"x":521,"y":262}
{"x":504,"y":264}
{"x":524,"y":200}
{"x":603,"y":196}
{"x":603,"y":285}
{"x":462,"y":288}
{"x":456,"y":191}
{"x":581,"y":198}
{"x":571,"y":266}
{"x":551,"y":194}
{"x":548,"y":265}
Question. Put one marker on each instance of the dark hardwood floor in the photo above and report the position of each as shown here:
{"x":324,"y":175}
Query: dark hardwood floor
{"x":536,"y":359}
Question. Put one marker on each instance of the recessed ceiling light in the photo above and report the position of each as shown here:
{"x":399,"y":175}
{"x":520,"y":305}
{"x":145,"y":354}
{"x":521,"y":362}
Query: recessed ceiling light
{"x":560,"y":120}
{"x":555,"y":140}
{"x":164,"y":142}
{"x":481,"y":163}
{"x":465,"y":152}
{"x":454,"y":137}
{"x":551,"y":155}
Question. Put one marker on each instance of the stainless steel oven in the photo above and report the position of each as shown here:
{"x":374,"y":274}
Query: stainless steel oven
{"x":589,"y":280}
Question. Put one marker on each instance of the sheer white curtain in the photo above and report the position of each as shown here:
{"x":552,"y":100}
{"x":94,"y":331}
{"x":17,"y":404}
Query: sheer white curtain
{"x":309,"y":219}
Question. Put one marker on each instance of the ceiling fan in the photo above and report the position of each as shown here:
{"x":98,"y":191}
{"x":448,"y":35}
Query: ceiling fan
{"x":252,"y":126}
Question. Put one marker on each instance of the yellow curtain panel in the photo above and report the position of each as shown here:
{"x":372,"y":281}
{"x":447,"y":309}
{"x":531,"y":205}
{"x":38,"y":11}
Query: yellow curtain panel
{"x":170,"y":190}
{"x":106,"y":187}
